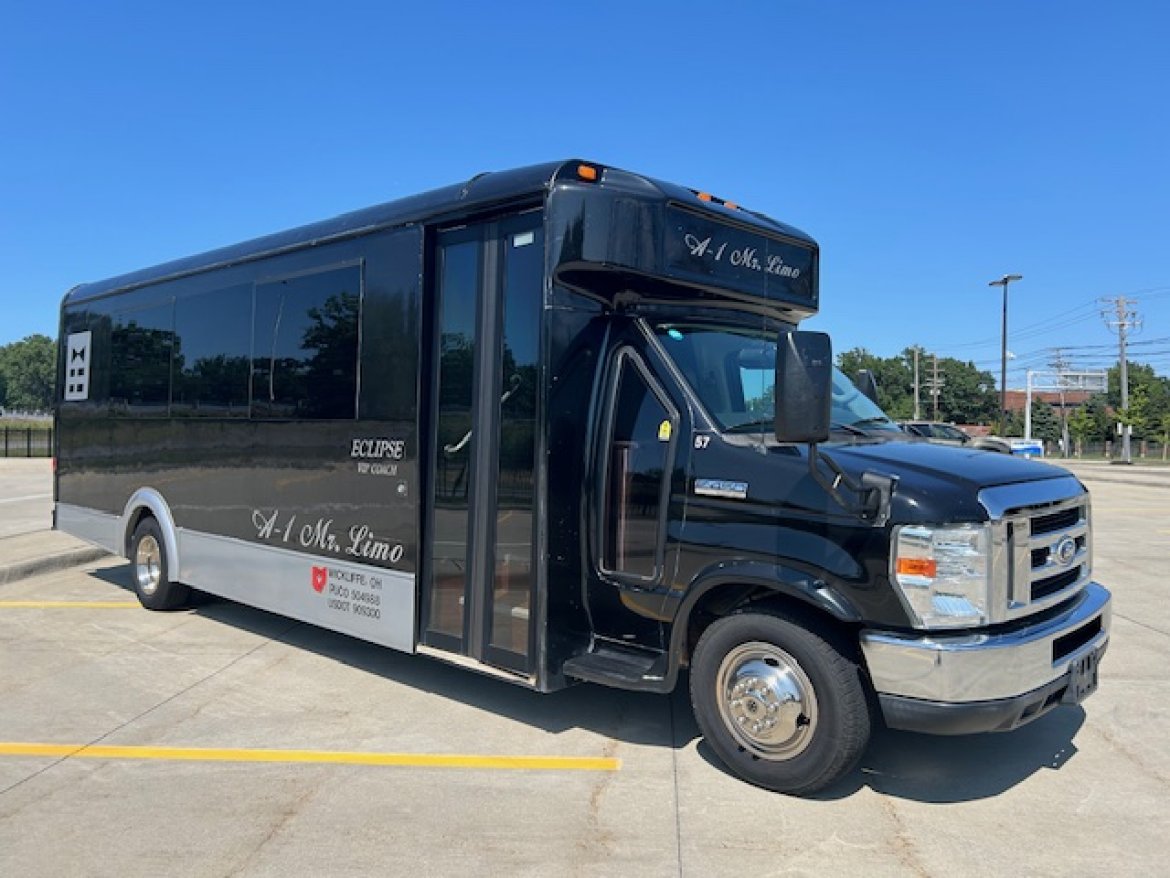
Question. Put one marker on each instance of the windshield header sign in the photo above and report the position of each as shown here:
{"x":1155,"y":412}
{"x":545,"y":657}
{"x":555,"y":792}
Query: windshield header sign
{"x":700,"y":248}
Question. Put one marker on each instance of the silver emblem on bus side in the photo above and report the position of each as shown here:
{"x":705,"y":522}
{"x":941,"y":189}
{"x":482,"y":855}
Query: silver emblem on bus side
{"x":721,"y":488}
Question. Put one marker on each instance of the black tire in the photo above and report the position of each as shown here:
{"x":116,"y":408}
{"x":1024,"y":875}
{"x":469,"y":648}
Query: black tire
{"x":780,"y":704}
{"x":150,"y":571}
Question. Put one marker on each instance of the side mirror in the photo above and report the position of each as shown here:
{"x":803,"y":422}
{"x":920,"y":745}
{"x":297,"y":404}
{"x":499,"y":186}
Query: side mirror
{"x":804,"y":382}
{"x":867,"y":384}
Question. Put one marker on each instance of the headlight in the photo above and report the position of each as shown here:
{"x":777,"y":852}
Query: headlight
{"x":942,"y":574}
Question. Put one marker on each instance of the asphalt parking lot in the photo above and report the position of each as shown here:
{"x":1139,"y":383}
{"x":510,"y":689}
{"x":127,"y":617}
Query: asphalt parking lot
{"x":227,"y":741}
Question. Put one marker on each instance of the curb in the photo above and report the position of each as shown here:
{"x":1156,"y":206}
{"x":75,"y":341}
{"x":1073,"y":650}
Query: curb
{"x":49,"y":563}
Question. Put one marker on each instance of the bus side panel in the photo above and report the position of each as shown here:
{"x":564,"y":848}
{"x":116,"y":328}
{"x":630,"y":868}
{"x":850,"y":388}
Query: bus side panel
{"x":276,"y":414}
{"x":367,"y":602}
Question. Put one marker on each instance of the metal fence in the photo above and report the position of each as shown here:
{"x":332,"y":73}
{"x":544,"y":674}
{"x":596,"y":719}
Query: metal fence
{"x":26,"y":442}
{"x":1140,"y":449}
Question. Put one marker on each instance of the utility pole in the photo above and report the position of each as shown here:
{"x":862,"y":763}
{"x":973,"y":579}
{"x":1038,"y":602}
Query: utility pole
{"x":917,"y":408}
{"x":1060,"y":365}
{"x":1003,"y":282}
{"x":1122,"y":320}
{"x":934,"y":384}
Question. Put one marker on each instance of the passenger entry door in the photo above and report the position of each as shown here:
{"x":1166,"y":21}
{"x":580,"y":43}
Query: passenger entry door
{"x":480,"y":569}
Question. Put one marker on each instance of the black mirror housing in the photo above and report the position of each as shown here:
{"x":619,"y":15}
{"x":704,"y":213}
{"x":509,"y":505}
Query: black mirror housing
{"x":804,"y":382}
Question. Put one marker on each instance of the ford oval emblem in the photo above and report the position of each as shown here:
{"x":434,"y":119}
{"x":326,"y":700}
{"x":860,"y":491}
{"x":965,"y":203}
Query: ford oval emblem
{"x":1065,"y":551}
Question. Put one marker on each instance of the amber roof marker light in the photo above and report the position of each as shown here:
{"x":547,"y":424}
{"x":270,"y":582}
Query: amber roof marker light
{"x":708,"y":198}
{"x":587,"y":172}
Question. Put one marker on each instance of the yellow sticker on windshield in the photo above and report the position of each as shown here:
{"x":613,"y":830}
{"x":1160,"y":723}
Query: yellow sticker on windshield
{"x":664,"y":431}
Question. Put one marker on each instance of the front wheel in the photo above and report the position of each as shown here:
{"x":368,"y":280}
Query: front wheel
{"x":779,"y":703}
{"x":148,"y":559}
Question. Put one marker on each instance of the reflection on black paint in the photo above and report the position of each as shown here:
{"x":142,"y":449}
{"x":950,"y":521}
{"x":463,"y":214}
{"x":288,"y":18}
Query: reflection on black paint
{"x":513,"y":575}
{"x":459,"y":285}
{"x":141,"y":343}
{"x":212,"y":351}
{"x":637,"y":468}
{"x":305,"y":346}
{"x":212,"y":462}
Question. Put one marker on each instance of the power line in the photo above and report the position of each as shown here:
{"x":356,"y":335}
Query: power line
{"x":1062,"y":320}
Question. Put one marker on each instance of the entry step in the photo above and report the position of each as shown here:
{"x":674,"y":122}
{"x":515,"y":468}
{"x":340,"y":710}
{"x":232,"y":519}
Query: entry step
{"x":614,"y":666}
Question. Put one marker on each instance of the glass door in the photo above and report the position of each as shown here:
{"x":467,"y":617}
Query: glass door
{"x":480,"y":577}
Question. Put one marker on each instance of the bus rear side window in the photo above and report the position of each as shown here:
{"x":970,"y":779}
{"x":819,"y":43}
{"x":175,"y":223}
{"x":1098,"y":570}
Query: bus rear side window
{"x":213,"y":332}
{"x":305,"y":345}
{"x":141,"y":348}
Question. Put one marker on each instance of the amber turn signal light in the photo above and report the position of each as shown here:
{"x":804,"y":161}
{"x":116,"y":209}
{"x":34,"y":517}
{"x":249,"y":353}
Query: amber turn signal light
{"x":926,"y":567}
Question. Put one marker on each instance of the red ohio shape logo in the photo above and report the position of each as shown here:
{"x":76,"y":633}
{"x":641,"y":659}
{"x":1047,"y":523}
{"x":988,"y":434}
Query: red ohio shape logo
{"x":320,"y":576}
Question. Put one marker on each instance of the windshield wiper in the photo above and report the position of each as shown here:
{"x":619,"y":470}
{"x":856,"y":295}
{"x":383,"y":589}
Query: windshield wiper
{"x":871,"y":421}
{"x":749,"y":426}
{"x":849,"y":428}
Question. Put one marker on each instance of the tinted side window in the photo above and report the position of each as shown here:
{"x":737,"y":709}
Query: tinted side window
{"x":213,"y":335}
{"x":305,"y":345}
{"x":639,"y":453}
{"x":141,"y":349}
{"x":390,"y":326}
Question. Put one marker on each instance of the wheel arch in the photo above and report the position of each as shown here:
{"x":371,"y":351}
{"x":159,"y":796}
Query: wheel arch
{"x":720,"y":591}
{"x":144,"y":503}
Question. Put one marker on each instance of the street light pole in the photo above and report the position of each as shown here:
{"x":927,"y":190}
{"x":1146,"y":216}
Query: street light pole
{"x":1003,"y":282}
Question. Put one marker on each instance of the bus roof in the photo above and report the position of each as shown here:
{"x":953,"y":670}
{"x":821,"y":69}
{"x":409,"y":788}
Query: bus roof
{"x":448,"y":202}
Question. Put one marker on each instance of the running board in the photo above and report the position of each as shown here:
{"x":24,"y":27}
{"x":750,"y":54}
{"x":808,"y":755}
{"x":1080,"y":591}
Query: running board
{"x":621,"y":668}
{"x":467,"y":662}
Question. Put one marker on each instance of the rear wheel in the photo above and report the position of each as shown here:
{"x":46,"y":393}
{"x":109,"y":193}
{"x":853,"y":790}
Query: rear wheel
{"x":148,"y":559}
{"x":779,"y":703}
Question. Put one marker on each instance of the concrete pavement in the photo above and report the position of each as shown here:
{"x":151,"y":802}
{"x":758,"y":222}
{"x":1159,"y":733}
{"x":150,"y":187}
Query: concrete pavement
{"x":27,"y":546}
{"x":1084,"y":790}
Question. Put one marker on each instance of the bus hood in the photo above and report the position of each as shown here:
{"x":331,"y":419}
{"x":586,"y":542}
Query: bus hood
{"x":938,"y":482}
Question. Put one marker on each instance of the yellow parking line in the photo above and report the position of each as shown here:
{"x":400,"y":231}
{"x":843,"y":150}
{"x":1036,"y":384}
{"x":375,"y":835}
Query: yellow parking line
{"x":411,"y":760}
{"x":57,"y":605}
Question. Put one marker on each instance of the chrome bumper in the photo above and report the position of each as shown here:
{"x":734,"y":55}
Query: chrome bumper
{"x":973,"y":669}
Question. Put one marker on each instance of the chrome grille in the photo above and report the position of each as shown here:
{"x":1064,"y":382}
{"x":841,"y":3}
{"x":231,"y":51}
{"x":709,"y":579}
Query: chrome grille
{"x":1042,"y":546}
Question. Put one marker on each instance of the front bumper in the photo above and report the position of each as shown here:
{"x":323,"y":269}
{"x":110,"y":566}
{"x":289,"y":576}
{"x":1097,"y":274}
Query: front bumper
{"x":967,"y":683}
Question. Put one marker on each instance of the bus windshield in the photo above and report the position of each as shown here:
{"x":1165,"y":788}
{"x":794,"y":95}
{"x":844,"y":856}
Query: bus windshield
{"x":732,"y":371}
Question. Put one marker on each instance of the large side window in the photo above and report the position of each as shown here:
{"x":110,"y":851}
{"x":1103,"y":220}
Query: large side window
{"x":305,"y":345}
{"x":141,"y":347}
{"x":639,"y":455}
{"x":213,"y":334}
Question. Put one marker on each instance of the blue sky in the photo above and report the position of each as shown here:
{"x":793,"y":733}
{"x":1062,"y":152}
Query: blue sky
{"x":929,"y":146}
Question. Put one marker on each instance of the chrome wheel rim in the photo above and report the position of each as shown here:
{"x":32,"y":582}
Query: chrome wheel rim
{"x":766,"y":701}
{"x":148,"y":565}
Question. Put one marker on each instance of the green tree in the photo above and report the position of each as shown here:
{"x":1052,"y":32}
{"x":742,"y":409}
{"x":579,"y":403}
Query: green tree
{"x":894,"y":376}
{"x":1095,"y":407}
{"x":28,"y":373}
{"x":968,"y":394}
{"x":1084,"y":425}
{"x":1013,"y":424}
{"x":1153,"y":389}
{"x":1045,"y":422}
{"x":1136,"y":414}
{"x":1164,"y":433}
